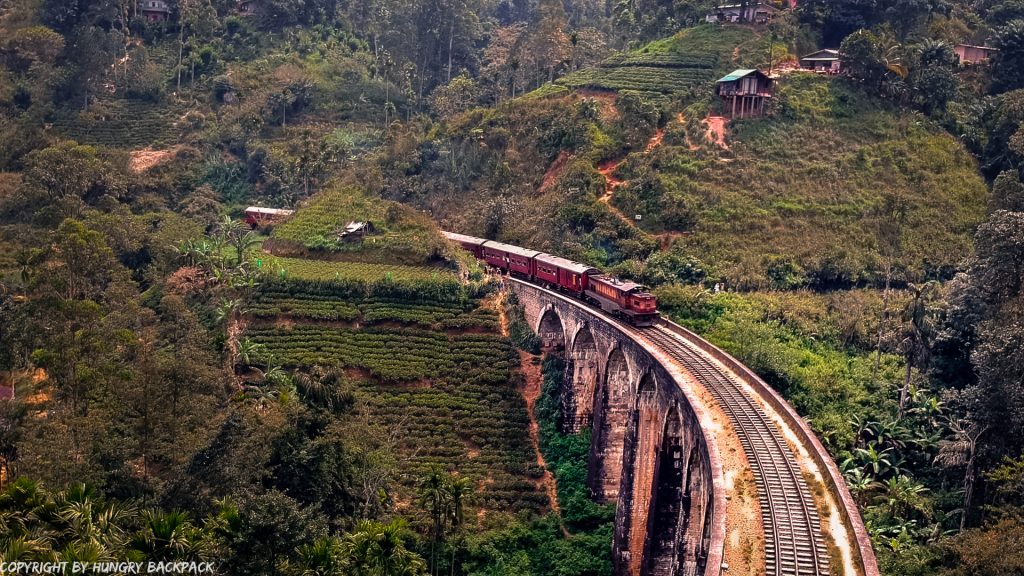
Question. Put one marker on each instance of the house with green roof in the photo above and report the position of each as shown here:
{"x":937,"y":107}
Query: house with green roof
{"x":745,"y":92}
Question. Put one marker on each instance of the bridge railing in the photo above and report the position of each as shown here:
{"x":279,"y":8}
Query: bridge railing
{"x":864,"y":554}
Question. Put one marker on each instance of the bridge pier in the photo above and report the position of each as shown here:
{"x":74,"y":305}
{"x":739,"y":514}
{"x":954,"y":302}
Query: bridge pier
{"x":648,"y":454}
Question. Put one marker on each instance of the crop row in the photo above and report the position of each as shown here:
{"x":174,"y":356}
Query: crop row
{"x":307,"y":269}
{"x":662,"y":59}
{"x":639,"y":78}
{"x":439,"y":314}
{"x":394,"y":355}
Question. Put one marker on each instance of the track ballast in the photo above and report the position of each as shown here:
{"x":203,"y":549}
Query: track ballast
{"x":794,"y":544}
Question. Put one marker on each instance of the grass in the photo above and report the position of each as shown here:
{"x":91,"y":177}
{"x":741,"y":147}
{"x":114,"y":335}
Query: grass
{"x":686,"y":61}
{"x":400,"y":233}
{"x":121,"y":124}
{"x":812,"y":186}
{"x":326,"y":270}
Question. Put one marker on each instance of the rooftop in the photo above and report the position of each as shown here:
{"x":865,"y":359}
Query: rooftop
{"x":737,"y":74}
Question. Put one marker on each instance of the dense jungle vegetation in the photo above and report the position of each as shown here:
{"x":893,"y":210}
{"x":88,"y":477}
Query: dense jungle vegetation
{"x":174,"y":385}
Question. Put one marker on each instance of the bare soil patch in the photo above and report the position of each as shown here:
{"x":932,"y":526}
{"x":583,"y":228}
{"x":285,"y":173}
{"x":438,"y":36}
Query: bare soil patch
{"x":142,"y":160}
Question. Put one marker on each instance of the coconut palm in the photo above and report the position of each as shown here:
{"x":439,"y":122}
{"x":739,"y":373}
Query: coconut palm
{"x":960,"y":451}
{"x":324,"y":557}
{"x":167,"y":536}
{"x":325,"y":389}
{"x":434,"y":495}
{"x":459,"y":488}
{"x":376,"y":549}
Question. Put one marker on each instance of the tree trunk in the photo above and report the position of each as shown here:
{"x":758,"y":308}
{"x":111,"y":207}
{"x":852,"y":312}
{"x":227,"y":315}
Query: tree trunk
{"x":968,"y":488}
{"x":881,"y":326}
{"x":181,"y":50}
{"x":451,"y":40}
{"x":905,"y":391}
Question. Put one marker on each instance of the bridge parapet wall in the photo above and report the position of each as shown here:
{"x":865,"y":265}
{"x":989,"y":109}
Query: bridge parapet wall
{"x":864,"y":555}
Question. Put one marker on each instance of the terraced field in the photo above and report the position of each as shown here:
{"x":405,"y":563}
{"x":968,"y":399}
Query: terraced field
{"x":308,"y":269}
{"x":121,"y":124}
{"x":453,"y":397}
{"x":438,"y":314}
{"x":684,"y":62}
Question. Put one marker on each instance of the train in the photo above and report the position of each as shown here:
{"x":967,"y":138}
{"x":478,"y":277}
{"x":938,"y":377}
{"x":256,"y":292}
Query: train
{"x":620,"y":298}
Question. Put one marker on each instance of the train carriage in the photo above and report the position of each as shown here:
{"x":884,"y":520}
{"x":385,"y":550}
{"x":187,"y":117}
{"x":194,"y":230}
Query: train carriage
{"x":563,"y":273}
{"x":627,"y":300}
{"x":471,"y":244}
{"x":514,"y":259}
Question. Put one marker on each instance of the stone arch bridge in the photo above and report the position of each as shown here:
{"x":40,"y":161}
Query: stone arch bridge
{"x":652,"y":452}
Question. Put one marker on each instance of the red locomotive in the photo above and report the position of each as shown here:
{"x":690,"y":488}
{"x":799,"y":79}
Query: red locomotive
{"x":627,"y":300}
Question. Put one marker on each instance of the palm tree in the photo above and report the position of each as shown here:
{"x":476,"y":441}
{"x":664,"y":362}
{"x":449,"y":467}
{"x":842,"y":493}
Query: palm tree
{"x":167,"y":536}
{"x":324,"y":557}
{"x":376,"y":549}
{"x":459,"y":488}
{"x":325,"y":389}
{"x":917,"y":335}
{"x":961,"y":450}
{"x":434,"y":494}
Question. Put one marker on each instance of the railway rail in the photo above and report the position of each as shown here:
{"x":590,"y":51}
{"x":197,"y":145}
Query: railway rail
{"x":794,"y":542}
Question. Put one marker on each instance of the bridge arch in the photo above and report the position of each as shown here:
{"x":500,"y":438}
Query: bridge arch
{"x":551,"y":330}
{"x":644,"y":437}
{"x":669,"y":504}
{"x":697,"y":506}
{"x":611,"y":421}
{"x":582,"y":374}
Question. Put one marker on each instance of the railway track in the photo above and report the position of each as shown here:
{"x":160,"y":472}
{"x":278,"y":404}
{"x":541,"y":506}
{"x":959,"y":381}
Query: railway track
{"x":794,"y":543}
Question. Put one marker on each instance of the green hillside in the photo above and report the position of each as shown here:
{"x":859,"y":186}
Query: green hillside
{"x":828,"y":189}
{"x":680,"y":64}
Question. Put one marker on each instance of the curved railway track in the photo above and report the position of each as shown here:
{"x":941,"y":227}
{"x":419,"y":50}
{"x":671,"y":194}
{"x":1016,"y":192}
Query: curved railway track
{"x":794,"y":544}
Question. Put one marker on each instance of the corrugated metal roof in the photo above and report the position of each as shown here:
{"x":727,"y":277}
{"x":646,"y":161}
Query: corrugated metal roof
{"x":275,"y":211}
{"x":736,"y":75}
{"x":511,"y":249}
{"x":456,"y":237}
{"x":826,"y":54}
{"x":624,"y":285}
{"x":565,"y":263}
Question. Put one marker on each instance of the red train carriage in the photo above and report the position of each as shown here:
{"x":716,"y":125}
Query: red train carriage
{"x":563,"y":273}
{"x":623,"y":298}
{"x":508,"y":257}
{"x":473,"y":245}
{"x":627,"y":300}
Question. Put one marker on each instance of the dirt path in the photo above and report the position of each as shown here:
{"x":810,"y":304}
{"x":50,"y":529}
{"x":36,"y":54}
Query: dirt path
{"x":612,"y":183}
{"x":716,"y":130}
{"x":533,"y":380}
{"x":555,"y":170}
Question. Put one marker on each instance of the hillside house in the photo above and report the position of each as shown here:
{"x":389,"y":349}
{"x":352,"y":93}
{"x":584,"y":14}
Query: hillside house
{"x":826,"y":61}
{"x":969,"y":54}
{"x":248,"y":7}
{"x":155,"y":10}
{"x":355,"y":231}
{"x":258,"y":217}
{"x":756,"y":12}
{"x":745,"y":92}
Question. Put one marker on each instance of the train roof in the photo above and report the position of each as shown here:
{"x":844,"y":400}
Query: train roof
{"x":462,"y":238}
{"x":624,"y":285}
{"x":565,"y":263}
{"x":510,"y":249}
